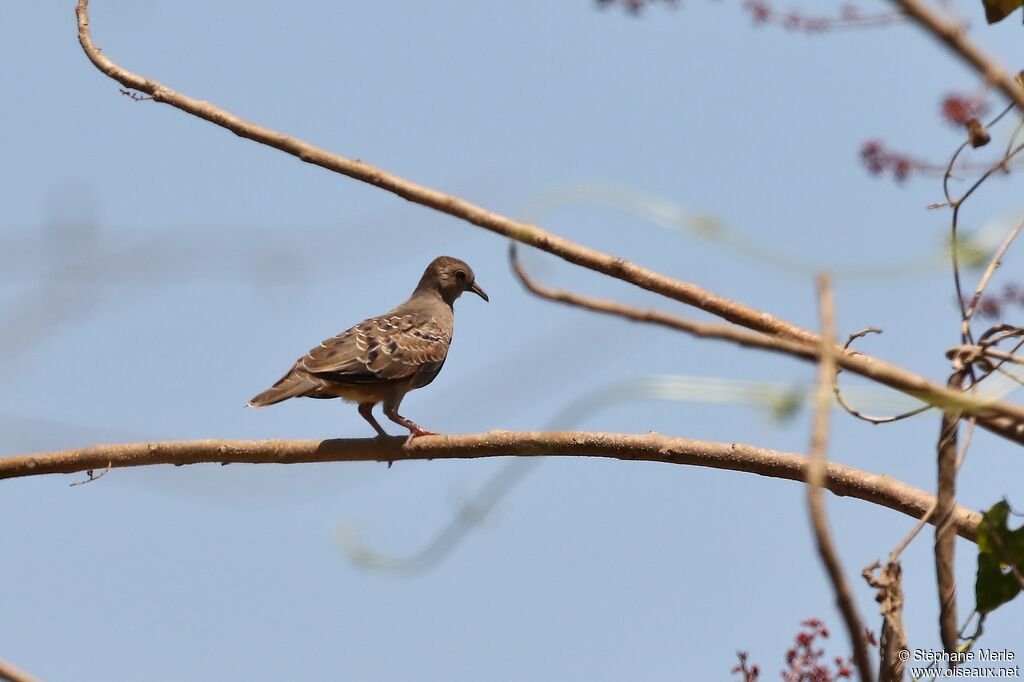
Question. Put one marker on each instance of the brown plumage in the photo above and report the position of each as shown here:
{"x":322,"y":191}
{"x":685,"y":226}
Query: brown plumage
{"x":382,"y":358}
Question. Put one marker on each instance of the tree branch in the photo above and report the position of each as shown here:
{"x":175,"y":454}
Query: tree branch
{"x":526,"y":233}
{"x":841,"y":480}
{"x":956,"y":40}
{"x":1002,"y":418}
{"x":11,"y":674}
{"x":816,"y":478}
{"x":945,"y":539}
{"x":854,"y":361}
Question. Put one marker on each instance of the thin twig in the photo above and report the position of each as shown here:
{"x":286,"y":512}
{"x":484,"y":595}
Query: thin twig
{"x":816,"y":478}
{"x":971,"y":353}
{"x":841,"y":480}
{"x":92,"y":476}
{"x":898,"y":550}
{"x":850,"y":409}
{"x":993,"y":264}
{"x":894,"y":555}
{"x":954,"y":245}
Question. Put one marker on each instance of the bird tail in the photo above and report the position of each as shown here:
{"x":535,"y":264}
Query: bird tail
{"x":290,"y":385}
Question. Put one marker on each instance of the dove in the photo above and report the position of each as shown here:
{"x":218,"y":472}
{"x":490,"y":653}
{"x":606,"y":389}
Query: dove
{"x":382,"y":358}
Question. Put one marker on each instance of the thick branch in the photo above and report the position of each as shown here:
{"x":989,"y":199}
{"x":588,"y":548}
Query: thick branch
{"x":652,"y":447}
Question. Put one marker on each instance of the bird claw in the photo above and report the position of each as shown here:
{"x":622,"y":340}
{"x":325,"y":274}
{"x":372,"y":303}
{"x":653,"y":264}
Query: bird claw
{"x":416,"y":433}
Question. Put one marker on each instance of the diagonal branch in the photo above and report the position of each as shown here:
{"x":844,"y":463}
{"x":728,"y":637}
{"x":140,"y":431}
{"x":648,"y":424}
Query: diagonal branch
{"x":11,"y":674}
{"x":955,"y":38}
{"x":851,"y":360}
{"x":1005,"y":419}
{"x":841,"y":480}
{"x":526,"y":233}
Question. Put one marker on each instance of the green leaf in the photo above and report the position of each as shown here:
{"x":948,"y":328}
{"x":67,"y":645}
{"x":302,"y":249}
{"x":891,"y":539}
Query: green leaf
{"x":993,"y":588}
{"x":998,"y":549}
{"x":997,"y":10}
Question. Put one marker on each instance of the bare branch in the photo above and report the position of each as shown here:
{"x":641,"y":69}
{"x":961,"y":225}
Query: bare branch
{"x":11,"y":674}
{"x":816,"y":479}
{"x":955,"y":38}
{"x":1002,"y":418}
{"x":738,"y":335}
{"x":894,"y":555}
{"x":532,"y":235}
{"x":945,"y":538}
{"x":850,"y":409}
{"x":841,"y":480}
{"x":996,"y":261}
{"x":851,"y":360}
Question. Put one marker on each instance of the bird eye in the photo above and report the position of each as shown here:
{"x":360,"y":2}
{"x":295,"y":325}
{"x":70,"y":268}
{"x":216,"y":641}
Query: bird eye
{"x":460,"y":275}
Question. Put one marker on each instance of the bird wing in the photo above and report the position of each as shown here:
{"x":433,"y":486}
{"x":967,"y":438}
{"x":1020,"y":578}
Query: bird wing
{"x":393,"y":347}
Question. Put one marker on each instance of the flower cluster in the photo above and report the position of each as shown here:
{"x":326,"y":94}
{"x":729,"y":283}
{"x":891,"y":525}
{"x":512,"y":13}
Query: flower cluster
{"x":805,"y":660}
{"x":959,"y":109}
{"x":748,"y":673}
{"x":879,"y":159}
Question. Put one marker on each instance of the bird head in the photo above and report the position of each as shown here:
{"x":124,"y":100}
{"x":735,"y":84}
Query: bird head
{"x":449,"y":277}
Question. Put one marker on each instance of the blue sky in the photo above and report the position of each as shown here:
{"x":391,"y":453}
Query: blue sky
{"x":157,"y":271}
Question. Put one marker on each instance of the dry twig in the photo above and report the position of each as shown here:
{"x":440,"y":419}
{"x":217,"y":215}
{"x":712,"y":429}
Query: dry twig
{"x":893,"y":639}
{"x":850,"y":409}
{"x":816,"y":479}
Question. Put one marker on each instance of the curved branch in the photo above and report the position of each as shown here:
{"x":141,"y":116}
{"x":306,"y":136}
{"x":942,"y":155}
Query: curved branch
{"x":1003,"y":418}
{"x":526,"y":233}
{"x":706,"y":330}
{"x":652,"y":447}
{"x":853,"y":411}
{"x":848,"y":359}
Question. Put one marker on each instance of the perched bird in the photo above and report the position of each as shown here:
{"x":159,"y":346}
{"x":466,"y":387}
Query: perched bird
{"x":381,"y":359}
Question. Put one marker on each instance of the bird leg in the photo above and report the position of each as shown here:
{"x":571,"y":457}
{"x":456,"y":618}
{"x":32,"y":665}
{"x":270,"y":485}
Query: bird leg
{"x":366,"y":410}
{"x":391,"y":412}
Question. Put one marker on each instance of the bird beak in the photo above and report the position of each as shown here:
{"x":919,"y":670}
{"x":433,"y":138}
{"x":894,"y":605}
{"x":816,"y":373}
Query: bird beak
{"x":479,"y":292}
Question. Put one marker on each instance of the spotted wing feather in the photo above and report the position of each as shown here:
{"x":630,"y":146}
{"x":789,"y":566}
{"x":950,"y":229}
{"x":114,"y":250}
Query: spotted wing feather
{"x":394,"y":347}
